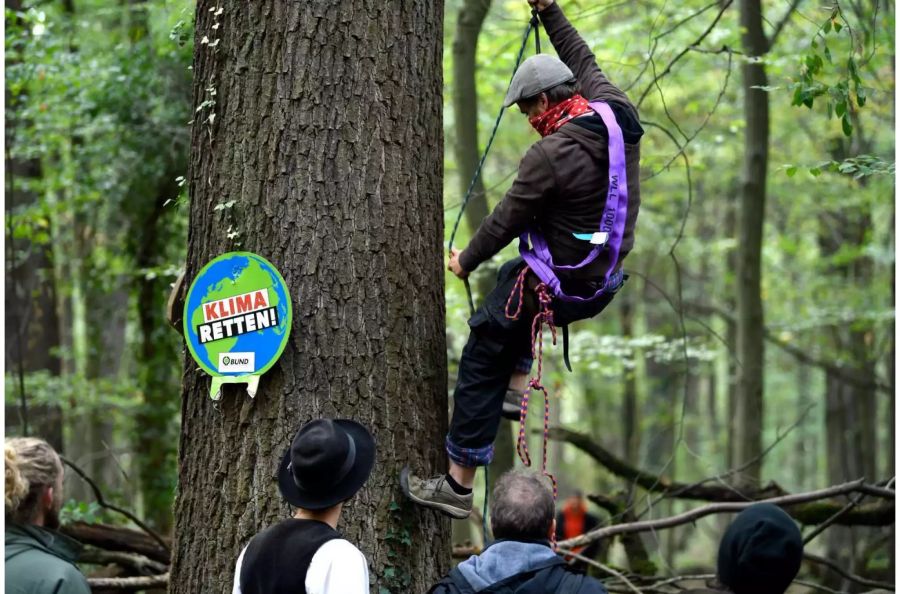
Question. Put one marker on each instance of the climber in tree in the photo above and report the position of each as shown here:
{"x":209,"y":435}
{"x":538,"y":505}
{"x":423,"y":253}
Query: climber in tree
{"x":574,"y":205}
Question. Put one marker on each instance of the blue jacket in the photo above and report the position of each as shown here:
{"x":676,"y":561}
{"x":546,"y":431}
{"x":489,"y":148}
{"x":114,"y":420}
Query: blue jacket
{"x":514,"y":567}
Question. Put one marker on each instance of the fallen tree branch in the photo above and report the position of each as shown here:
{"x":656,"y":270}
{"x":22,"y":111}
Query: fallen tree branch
{"x":117,"y":538}
{"x":609,"y":570}
{"x":846,"y":574}
{"x":98,"y":495}
{"x":139,"y":563}
{"x":654,"y":483}
{"x":129,"y":583}
{"x":883,"y":515}
{"x":720,"y":478}
{"x":866,"y":515}
{"x":620,"y":513}
{"x":854,"y":501}
{"x":464,"y":552}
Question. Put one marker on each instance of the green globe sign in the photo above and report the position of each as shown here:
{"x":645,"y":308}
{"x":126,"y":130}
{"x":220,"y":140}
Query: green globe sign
{"x":237,"y":318}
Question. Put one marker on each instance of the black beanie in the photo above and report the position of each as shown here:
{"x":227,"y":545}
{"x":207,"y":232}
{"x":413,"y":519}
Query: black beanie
{"x":761,"y":551}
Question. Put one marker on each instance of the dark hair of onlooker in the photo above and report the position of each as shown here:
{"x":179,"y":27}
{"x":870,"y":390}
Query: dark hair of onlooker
{"x":522,"y":507}
{"x":555,"y":95}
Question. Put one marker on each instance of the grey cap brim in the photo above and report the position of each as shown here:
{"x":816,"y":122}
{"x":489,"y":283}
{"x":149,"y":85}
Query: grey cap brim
{"x":536,"y":75}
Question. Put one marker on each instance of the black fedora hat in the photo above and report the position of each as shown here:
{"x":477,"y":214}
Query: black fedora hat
{"x":327,"y":463}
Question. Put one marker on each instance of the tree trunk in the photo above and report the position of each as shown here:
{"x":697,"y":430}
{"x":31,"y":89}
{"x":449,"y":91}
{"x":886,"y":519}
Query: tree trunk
{"x":631,"y":435}
{"x":806,"y":449}
{"x":155,"y":435}
{"x":465,"y":115}
{"x":750,"y":346}
{"x":465,"y":105}
{"x":328,"y":138}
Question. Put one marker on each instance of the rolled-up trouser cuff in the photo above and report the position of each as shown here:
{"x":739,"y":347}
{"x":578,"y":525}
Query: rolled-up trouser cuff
{"x":470,"y":457}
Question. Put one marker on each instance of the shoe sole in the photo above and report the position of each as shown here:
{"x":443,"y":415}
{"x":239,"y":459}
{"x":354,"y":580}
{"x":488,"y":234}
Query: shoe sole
{"x":511,"y":412}
{"x":447,"y":510}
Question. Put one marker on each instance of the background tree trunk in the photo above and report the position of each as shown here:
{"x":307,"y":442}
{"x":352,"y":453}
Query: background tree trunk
{"x":750,"y":347}
{"x":328,"y":137}
{"x":465,"y":105}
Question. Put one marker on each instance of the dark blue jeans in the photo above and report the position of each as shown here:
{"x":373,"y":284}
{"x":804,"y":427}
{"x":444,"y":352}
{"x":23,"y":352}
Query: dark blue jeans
{"x":496,"y":347}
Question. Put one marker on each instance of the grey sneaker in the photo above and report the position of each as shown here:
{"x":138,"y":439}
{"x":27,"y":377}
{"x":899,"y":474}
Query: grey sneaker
{"x":435,"y":493}
{"x":512,"y":405}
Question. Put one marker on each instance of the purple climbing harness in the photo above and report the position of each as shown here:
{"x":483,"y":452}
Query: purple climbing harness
{"x":612,"y":223}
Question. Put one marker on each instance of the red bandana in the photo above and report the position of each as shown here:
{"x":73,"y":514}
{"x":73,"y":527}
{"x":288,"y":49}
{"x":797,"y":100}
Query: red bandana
{"x":551,"y":120}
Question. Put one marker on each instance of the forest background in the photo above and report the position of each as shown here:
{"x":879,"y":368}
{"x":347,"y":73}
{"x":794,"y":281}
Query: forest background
{"x":753,"y":345}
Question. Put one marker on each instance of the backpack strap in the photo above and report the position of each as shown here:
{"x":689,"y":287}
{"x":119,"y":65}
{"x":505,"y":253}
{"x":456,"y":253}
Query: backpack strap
{"x":565,"y":333}
{"x":457,"y":583}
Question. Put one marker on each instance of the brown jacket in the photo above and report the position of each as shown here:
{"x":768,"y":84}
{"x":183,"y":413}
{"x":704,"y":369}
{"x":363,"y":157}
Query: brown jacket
{"x":563,"y":178}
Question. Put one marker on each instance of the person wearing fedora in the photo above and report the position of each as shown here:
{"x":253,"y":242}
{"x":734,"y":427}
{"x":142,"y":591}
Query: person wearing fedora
{"x":327,"y":463}
{"x":568,"y":203}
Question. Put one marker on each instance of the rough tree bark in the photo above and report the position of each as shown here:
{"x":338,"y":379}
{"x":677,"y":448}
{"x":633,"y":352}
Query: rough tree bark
{"x":327,"y":135}
{"x":750,"y":345}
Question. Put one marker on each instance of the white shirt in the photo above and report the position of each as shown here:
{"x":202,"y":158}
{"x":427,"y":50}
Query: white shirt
{"x":338,"y":567}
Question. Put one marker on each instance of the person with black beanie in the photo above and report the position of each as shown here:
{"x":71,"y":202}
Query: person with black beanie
{"x":760,"y":553}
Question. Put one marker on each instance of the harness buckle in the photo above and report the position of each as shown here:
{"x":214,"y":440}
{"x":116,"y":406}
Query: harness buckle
{"x":597,"y":238}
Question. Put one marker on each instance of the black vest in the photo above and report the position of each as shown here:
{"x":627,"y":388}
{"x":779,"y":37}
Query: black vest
{"x":277,"y":559}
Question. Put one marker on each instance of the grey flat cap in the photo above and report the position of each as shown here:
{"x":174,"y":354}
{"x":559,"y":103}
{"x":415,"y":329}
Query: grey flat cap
{"x":535,"y":75}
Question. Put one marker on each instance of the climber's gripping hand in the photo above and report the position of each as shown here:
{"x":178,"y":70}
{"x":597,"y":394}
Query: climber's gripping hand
{"x":454,"y":266}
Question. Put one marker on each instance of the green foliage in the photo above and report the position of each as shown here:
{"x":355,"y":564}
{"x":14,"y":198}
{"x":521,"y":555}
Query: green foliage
{"x":99,"y":100}
{"x":394,"y":578}
{"x":80,"y":511}
{"x":837,"y":81}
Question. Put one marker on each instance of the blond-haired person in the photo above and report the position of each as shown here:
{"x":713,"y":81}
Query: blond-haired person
{"x":39,"y":560}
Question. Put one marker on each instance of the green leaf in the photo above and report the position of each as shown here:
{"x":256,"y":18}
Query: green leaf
{"x":827,"y":27}
{"x":791,"y":170}
{"x":840,"y":109}
{"x":853,"y":69}
{"x":846,"y":126}
{"x":815,"y":171}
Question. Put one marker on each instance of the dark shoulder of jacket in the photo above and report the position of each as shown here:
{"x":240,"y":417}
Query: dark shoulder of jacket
{"x":578,"y":583}
{"x":453,"y":583}
{"x":443,"y":587}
